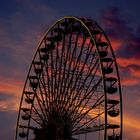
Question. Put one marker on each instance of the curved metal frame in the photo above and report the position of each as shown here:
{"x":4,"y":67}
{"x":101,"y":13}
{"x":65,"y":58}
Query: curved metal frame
{"x":110,"y":79}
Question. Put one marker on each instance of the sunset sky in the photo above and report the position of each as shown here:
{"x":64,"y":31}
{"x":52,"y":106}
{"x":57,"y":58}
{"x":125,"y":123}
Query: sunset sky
{"x":23,"y":23}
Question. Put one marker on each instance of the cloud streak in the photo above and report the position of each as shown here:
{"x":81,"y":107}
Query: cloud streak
{"x":10,"y":92}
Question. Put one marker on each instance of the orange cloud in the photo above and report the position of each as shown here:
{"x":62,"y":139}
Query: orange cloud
{"x":131,"y":66}
{"x":9,"y":85}
{"x":116,"y":43}
{"x":135,"y":72}
{"x":131,"y":126}
{"x":13,"y":88}
{"x":129,"y":81}
{"x":124,"y":62}
{"x":131,"y":121}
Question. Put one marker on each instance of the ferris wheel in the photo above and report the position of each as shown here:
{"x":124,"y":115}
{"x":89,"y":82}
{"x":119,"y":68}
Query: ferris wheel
{"x":72,"y":90}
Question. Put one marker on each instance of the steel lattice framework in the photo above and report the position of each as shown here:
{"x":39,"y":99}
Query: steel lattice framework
{"x":72,"y":89}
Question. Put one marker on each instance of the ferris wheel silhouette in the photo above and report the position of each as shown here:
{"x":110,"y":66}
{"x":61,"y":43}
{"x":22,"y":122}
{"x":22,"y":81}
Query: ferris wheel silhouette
{"x":72,"y":90}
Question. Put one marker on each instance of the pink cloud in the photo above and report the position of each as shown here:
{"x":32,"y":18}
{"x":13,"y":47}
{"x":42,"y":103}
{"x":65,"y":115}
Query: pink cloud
{"x":129,"y":81}
{"x":131,"y":127}
{"x":13,"y":88}
{"x":135,"y":71}
{"x":130,"y":70}
{"x":124,"y":62}
{"x":116,"y":43}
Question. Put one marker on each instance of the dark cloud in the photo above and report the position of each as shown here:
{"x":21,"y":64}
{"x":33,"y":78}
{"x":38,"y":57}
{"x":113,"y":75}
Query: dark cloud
{"x":112,"y":19}
{"x":121,"y":29}
{"x":134,"y":46}
{"x":126,"y":37}
{"x":135,"y":67}
{"x":8,"y":123}
{"x":6,"y":96}
{"x":20,"y":34}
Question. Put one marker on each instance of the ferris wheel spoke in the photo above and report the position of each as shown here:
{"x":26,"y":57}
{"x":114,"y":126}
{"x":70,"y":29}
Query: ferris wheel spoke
{"x":56,"y":87}
{"x":45,"y":104}
{"x":41,"y":109}
{"x":52,"y":74}
{"x":60,"y":67}
{"x":48,"y":84}
{"x":88,"y":96}
{"x":67,"y":96}
{"x":52,"y":78}
{"x":85,"y":97}
{"x":35,"y":113}
{"x":68,"y":74}
{"x":80,"y":75}
{"x":81,"y":87}
{"x":74,"y":98}
{"x":43,"y":88}
{"x":74,"y":85}
{"x":65,"y":57}
{"x":39,"y":102}
{"x":96,"y":127}
{"x":81,"y":116}
{"x":70,"y":81}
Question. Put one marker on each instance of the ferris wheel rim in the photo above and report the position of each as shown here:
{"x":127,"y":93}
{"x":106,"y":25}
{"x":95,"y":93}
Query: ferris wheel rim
{"x":93,"y":39}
